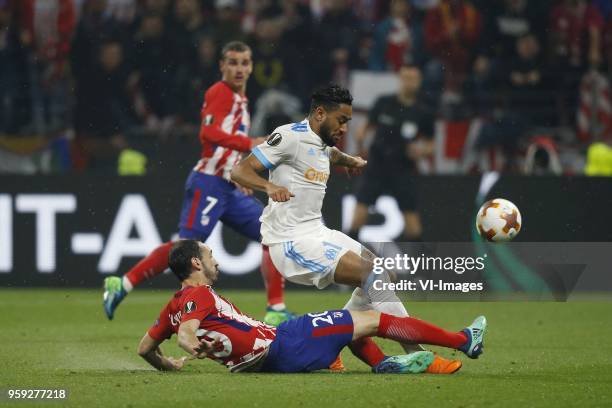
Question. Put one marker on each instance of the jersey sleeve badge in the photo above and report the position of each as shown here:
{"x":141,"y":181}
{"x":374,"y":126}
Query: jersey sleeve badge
{"x":274,"y":139}
{"x":190,"y":307}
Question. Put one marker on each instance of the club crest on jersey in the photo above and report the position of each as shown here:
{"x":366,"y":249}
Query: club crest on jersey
{"x":190,"y":307}
{"x":208,"y":120}
{"x":274,"y":139}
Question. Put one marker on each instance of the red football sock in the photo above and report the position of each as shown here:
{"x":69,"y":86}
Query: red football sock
{"x":274,"y":281}
{"x":411,"y":330}
{"x":367,"y":351}
{"x":154,"y":264}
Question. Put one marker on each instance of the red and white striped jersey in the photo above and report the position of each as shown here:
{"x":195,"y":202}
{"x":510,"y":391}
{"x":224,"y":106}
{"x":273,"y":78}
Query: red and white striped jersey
{"x":224,"y":130}
{"x":245,"y":340}
{"x":594,"y":117}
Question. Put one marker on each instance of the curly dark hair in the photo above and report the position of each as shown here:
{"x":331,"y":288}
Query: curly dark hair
{"x":330,"y":97}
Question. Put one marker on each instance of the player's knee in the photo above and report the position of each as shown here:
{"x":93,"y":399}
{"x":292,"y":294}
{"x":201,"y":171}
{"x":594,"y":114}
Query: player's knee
{"x":365,"y":323}
{"x":367,"y":255}
{"x":373,"y":321}
{"x":352,"y":269}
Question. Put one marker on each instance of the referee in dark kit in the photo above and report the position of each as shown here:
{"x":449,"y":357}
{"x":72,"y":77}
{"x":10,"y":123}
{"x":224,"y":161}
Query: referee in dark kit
{"x":403,"y":130}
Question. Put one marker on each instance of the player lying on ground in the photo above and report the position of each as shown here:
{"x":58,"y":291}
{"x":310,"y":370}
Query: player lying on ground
{"x":210,"y":196}
{"x":298,"y":157}
{"x":209,"y":325}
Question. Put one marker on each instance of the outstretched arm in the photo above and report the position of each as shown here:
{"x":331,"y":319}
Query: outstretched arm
{"x":150,"y":351}
{"x":246,"y":174}
{"x":342,"y":159}
{"x":353,"y":164}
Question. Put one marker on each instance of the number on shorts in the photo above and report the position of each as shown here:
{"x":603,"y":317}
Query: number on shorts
{"x":212,"y":201}
{"x":323,"y":316}
{"x":204,"y":218}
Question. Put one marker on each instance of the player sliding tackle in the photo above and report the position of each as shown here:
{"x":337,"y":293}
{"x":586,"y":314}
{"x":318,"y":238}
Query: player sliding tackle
{"x":209,"y":325}
{"x":209,"y":195}
{"x":302,"y":248}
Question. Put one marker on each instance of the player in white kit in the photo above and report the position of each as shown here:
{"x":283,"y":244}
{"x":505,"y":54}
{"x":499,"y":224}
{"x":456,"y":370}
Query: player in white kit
{"x":302,"y":248}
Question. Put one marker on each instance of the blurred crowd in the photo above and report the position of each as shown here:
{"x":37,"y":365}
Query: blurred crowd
{"x":104,"y":71}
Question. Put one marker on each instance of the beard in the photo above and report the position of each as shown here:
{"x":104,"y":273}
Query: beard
{"x":326,"y":135}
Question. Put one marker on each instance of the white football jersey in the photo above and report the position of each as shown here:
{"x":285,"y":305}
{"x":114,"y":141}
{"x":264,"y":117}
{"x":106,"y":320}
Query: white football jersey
{"x":299,"y":161}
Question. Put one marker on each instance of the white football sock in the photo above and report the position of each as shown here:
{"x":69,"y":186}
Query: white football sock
{"x":278,"y":307}
{"x":386,"y":301}
{"x":127,"y":285}
{"x":359,"y":301}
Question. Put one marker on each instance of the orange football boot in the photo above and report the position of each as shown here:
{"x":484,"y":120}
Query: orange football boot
{"x":442,"y":365}
{"x":337,"y":366}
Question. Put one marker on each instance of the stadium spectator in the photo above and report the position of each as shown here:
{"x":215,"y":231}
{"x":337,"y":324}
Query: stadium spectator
{"x":340,"y":33}
{"x":576,"y":28}
{"x":227,"y":22}
{"x":594,"y":115}
{"x":95,"y":26}
{"x":452,"y":30}
{"x":526,"y":103}
{"x":481,"y":91}
{"x":192,"y":79}
{"x":186,"y":30}
{"x":154,"y":59}
{"x":576,"y":33}
{"x":403,"y":136}
{"x":276,"y":65}
{"x":529,"y":86}
{"x":298,"y":28}
{"x":370,"y":11}
{"x":104,"y":110}
{"x":159,"y":7}
{"x":123,"y":11}
{"x":46,"y":30}
{"x":169,"y":44}
{"x":505,"y":24}
{"x":15,"y":108}
{"x":394,"y":40}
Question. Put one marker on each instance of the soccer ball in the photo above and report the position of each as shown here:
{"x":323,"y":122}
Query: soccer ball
{"x":498,"y":220}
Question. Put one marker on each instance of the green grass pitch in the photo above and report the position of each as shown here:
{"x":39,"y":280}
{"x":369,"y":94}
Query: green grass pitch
{"x":536,"y":354}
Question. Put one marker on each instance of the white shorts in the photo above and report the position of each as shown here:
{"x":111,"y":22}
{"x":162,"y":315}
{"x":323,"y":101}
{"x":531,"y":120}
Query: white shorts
{"x":312,"y":260}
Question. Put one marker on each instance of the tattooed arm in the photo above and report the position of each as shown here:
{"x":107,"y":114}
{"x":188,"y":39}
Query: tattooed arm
{"x":342,"y":159}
